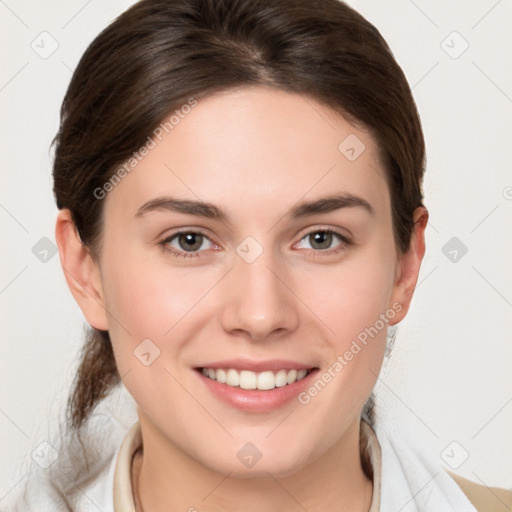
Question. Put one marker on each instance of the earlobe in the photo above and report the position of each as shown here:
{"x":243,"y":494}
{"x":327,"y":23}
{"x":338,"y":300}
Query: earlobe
{"x":81,"y":271}
{"x":408,"y":266}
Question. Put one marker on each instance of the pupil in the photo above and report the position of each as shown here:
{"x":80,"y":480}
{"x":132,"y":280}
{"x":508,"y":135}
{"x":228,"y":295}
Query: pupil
{"x":190,"y":241}
{"x":322,"y":239}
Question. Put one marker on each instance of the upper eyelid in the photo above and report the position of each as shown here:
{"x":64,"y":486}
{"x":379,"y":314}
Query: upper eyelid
{"x":336,"y":231}
{"x":195,"y":231}
{"x":185,"y":231}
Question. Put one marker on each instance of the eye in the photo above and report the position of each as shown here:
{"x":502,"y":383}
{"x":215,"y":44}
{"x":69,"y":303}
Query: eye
{"x":322,"y":239}
{"x":187,"y":244}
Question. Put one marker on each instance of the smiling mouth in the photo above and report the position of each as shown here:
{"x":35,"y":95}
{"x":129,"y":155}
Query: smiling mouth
{"x":263,"y":381}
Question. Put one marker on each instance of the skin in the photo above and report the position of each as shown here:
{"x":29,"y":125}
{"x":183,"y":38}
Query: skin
{"x":255,"y":153}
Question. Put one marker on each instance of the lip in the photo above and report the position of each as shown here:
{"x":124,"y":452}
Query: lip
{"x":255,"y":400}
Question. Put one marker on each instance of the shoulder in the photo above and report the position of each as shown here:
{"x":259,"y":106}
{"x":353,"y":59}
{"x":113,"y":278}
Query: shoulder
{"x":82,"y":475}
{"x":484,"y":498}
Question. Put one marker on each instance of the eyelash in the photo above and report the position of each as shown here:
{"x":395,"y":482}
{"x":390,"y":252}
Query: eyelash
{"x":345,"y":243}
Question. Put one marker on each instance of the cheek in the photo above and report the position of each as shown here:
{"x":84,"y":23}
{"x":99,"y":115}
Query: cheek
{"x":148,"y":308}
{"x":150,"y":302}
{"x":352,"y":297}
{"x":353,"y":302}
{"x":147,"y":301}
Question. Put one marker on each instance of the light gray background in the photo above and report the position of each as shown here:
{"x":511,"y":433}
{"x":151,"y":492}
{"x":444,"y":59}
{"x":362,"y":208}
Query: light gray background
{"x":449,"y":379}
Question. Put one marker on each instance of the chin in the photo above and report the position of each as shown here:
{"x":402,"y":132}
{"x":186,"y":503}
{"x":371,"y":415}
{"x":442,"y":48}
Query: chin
{"x":248,"y":462}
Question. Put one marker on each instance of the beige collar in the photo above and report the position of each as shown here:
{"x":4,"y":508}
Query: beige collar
{"x":123,"y":492}
{"x":132,"y":442}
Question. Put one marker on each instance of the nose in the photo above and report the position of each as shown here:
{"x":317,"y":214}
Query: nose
{"x":259,"y":302}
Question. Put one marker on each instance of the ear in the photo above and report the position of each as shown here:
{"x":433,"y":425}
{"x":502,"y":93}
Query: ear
{"x":408,"y":266}
{"x":81,"y":271}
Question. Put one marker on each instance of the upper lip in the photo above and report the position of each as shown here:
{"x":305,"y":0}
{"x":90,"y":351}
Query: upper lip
{"x":257,"y":366}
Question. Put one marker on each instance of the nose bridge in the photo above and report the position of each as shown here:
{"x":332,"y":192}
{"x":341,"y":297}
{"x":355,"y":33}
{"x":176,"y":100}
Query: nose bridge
{"x":258,"y":301}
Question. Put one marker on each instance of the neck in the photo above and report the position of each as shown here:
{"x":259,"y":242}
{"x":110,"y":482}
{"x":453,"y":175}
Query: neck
{"x":166,"y":478}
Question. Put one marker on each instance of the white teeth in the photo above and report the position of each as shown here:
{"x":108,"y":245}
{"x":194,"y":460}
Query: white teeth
{"x":291,"y":377}
{"x":251,"y":380}
{"x":247,"y":380}
{"x":266,"y":380}
{"x":280,"y":378}
{"x":232,"y":378}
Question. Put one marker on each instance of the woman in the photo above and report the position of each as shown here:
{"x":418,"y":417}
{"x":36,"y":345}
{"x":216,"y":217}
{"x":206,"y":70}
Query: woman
{"x":241,"y":221}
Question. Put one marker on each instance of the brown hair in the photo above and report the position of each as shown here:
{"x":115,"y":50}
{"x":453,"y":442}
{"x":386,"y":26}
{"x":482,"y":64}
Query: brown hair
{"x":159,"y":53}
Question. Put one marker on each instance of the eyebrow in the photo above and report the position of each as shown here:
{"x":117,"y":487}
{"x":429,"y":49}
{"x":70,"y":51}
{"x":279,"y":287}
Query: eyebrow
{"x":210,"y":211}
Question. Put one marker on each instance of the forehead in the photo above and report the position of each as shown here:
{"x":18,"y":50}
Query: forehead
{"x":255,"y":150}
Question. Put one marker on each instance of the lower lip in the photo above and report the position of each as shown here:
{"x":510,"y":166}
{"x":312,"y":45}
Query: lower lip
{"x":256,"y":400}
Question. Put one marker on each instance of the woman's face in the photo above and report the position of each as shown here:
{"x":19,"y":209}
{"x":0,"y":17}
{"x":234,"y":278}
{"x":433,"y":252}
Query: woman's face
{"x":254,"y":237}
